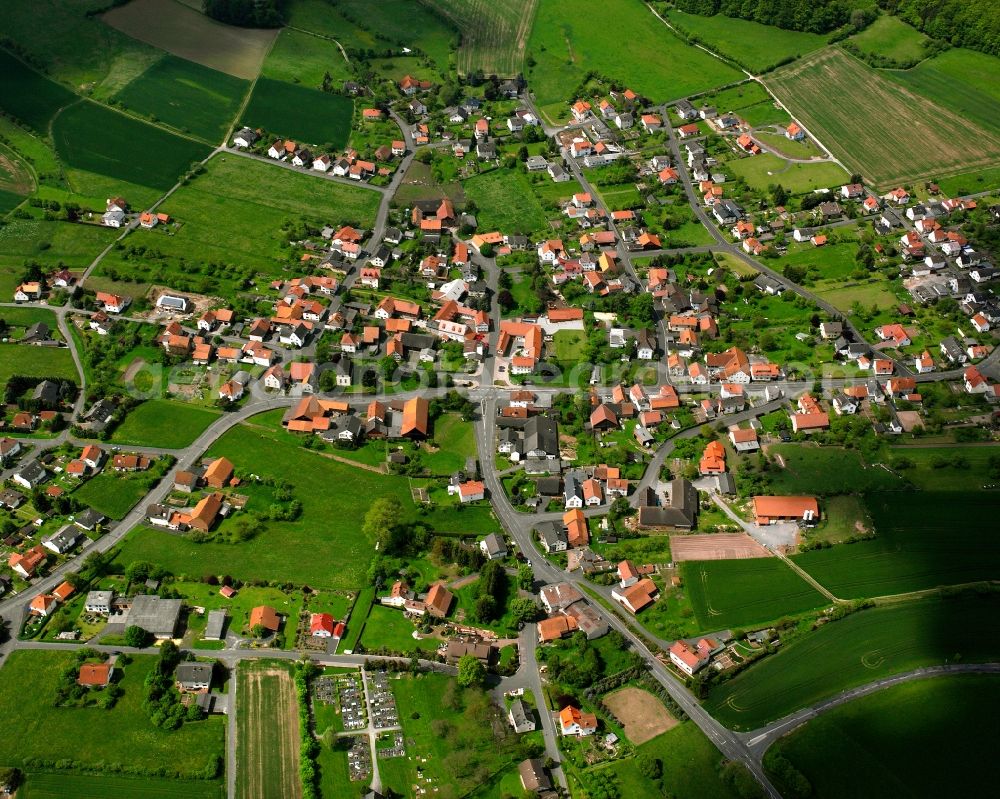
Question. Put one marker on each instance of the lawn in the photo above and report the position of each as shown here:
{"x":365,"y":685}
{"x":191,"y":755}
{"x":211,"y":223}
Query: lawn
{"x":330,"y":523}
{"x":388,"y":627}
{"x":267,"y":736}
{"x":493,"y":33}
{"x":50,"y":244}
{"x":96,"y":139}
{"x":189,"y":34}
{"x":918,"y":545}
{"x":455,"y":443}
{"x":91,"y":737}
{"x":841,"y":515}
{"x":164,"y":423}
{"x":741,"y":593}
{"x":750,"y":44}
{"x":690,"y":767}
{"x":566,"y":45}
{"x":863,"y":647}
{"x":200,"y":594}
{"x":53,"y":785}
{"x":810,"y":469}
{"x":505,"y":202}
{"x":298,"y":112}
{"x":29,"y":96}
{"x":187,"y":96}
{"x":891,"y":38}
{"x":761,"y":171}
{"x":73,"y":48}
{"x":569,"y":345}
{"x":113,"y":494}
{"x":920,"y":739}
{"x":805,"y":148}
{"x":965,"y":82}
{"x":21,"y":359}
{"x":879,"y":128}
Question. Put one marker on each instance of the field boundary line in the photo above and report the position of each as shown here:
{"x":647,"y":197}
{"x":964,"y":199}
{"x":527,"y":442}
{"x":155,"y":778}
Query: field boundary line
{"x":808,"y":577}
{"x":343,"y":52}
{"x":246,"y":98}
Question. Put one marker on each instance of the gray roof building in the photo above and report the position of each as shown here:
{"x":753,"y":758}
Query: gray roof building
{"x":216,"y":626}
{"x":193,"y":676}
{"x":157,"y":616}
{"x":533,"y":776}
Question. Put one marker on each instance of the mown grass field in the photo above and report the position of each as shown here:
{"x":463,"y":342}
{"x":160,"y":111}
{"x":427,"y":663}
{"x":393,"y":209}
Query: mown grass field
{"x":28,"y":95}
{"x":78,"y":51}
{"x":826,"y":470}
{"x":91,"y":137}
{"x":494,"y":33}
{"x":877,"y":127}
{"x":890,"y":37}
{"x":947,"y":468}
{"x":859,"y":649}
{"x":505,"y":202}
{"x":757,"y":47}
{"x":299,"y":57}
{"x":164,"y":423}
{"x":868,"y":294}
{"x":388,"y":627}
{"x":324,"y":18}
{"x":53,"y":785}
{"x":300,"y":113}
{"x":231,"y":227}
{"x":411,"y":24}
{"x":918,"y":545}
{"x":20,"y":359}
{"x":91,"y":737}
{"x":267,"y":736}
{"x":766,"y":169}
{"x":113,"y":494}
{"x":739,"y":593}
{"x":690,"y":766}
{"x":963,"y":81}
{"x":331,"y":519}
{"x":187,"y":96}
{"x":927,"y":738}
{"x":189,"y":34}
{"x":567,"y":44}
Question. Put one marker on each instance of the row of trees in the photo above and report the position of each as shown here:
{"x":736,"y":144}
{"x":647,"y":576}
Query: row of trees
{"x":966,"y":23}
{"x":814,"y":16}
{"x":247,"y":13}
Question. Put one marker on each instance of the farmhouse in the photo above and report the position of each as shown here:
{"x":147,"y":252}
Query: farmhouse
{"x":573,"y":721}
{"x":159,"y":617}
{"x":770,"y":510}
{"x":637,"y":596}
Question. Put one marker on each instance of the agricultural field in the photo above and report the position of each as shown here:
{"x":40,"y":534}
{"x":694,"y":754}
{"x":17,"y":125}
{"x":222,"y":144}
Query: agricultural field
{"x":746,"y":592}
{"x":29,"y":96}
{"x":494,"y":34}
{"x":300,"y":113}
{"x":330,"y":519}
{"x":766,"y":169}
{"x":917,"y":546}
{"x":326,"y":19}
{"x":565,"y":45}
{"x":300,"y":57}
{"x":51,"y":244}
{"x":901,"y":741}
{"x":879,"y":128}
{"x":91,"y":137}
{"x":756,"y":47}
{"x":267,"y":735}
{"x":17,"y":179}
{"x":965,"y":82}
{"x":946,"y":468}
{"x":890,"y":37}
{"x":856,"y":650}
{"x":53,"y":785}
{"x":187,"y":33}
{"x":90,"y":737}
{"x":74,"y":49}
{"x":505,"y":202}
{"x":164,"y":423}
{"x":186,"y":96}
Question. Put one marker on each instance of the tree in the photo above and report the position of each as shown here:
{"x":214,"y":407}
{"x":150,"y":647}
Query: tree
{"x":525,"y":610}
{"x":136,"y":637}
{"x":525,"y":576}
{"x":382,"y":520}
{"x":650,"y":767}
{"x":471,"y":673}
